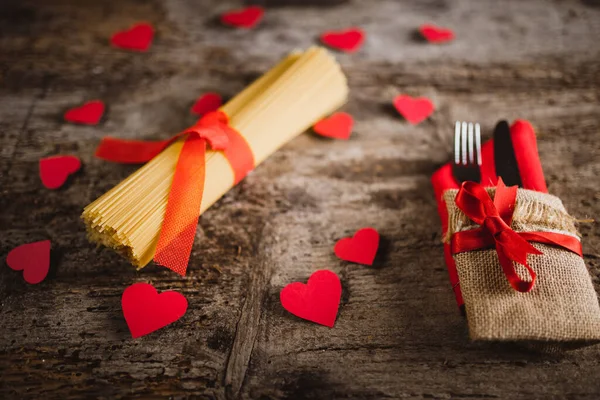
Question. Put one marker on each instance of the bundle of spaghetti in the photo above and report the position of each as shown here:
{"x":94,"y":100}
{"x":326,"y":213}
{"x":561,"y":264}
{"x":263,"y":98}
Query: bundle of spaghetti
{"x":303,"y":88}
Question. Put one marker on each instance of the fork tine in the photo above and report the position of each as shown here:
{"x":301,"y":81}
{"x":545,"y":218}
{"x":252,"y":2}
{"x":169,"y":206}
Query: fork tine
{"x":457,"y":143}
{"x":478,"y":143}
{"x":463,"y":133}
{"x":471,"y":141}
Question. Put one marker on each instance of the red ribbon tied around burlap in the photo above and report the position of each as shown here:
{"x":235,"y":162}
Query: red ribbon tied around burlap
{"x":494,"y":218}
{"x":185,"y":197}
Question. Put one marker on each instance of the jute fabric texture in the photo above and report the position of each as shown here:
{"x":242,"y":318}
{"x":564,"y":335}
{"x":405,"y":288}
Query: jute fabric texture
{"x":561,"y":310}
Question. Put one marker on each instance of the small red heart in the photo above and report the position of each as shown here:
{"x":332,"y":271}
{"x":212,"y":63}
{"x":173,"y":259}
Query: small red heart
{"x":436,"y":34}
{"x":33,"y":259}
{"x":414,"y":110}
{"x":206,"y":103}
{"x":317,"y":301}
{"x":55,"y":170}
{"x":146,"y":311}
{"x":247,"y":17}
{"x":337,"y":126}
{"x":137,"y":38}
{"x":88,"y":114}
{"x":349,"y":40}
{"x":360,"y":249}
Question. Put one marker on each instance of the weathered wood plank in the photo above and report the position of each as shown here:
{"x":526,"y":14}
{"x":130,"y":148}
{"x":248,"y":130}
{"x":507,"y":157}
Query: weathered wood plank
{"x":398,"y":333}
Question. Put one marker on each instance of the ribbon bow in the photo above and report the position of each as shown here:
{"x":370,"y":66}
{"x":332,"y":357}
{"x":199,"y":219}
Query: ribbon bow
{"x":494,"y":218}
{"x":185,"y":197}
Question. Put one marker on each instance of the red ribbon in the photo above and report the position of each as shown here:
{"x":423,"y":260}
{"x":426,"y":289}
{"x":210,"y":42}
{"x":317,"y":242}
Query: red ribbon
{"x":185,"y":197}
{"x":494,"y":218}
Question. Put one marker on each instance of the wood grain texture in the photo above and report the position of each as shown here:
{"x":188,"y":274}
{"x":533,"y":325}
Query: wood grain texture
{"x":398,"y":332}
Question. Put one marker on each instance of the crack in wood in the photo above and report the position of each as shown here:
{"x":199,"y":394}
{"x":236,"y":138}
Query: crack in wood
{"x":25,"y":124}
{"x":246,"y":329}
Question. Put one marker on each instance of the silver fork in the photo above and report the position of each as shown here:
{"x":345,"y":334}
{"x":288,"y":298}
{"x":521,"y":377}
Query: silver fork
{"x":467,"y":152}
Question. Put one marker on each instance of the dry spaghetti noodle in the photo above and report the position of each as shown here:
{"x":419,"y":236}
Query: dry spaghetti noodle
{"x":303,"y":88}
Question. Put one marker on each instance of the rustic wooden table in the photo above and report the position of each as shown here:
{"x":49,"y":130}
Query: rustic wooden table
{"x":398,"y":332}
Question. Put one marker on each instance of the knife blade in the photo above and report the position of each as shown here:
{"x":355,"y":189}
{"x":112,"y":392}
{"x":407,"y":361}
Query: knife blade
{"x":504,"y":156}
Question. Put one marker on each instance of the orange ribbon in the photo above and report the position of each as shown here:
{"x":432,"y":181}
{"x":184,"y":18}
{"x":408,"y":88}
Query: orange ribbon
{"x":494,"y":218}
{"x":185,"y":197}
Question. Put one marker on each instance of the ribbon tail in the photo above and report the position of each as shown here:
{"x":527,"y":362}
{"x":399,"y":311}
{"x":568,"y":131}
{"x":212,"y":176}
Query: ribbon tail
{"x":183,"y":207}
{"x":129,"y":151}
{"x":515,"y":247}
{"x":510,"y":272}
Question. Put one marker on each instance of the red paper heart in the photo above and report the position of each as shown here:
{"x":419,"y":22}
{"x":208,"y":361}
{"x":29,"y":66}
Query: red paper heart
{"x":360,"y":249}
{"x":88,"y":114}
{"x":137,"y":38}
{"x":206,"y":103}
{"x":146,"y":311}
{"x":337,"y":126}
{"x":317,"y":301}
{"x":31,"y":258}
{"x":414,"y":110}
{"x":55,"y":170}
{"x":435,"y":34}
{"x":349,"y":40}
{"x":247,"y":17}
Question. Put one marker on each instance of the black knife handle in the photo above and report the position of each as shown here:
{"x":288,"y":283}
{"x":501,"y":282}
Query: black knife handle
{"x":504,"y":156}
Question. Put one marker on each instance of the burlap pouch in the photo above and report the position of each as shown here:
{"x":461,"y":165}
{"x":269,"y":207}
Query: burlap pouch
{"x":560,"y":312}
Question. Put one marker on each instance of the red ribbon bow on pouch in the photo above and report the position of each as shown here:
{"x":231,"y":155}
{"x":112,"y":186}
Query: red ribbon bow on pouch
{"x":494,"y":218}
{"x":185,"y":197}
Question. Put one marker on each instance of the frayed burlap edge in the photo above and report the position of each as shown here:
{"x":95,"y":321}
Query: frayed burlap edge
{"x":534,"y":211}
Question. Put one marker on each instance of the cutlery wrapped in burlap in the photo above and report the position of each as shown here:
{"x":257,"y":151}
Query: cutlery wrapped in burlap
{"x":520,"y":268}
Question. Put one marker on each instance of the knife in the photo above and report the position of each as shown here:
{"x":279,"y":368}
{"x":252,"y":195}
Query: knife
{"x":504,"y":156}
